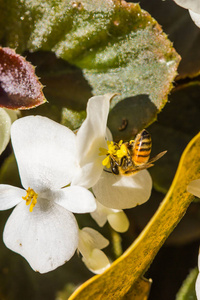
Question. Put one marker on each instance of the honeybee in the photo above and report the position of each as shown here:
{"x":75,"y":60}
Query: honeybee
{"x":133,"y":156}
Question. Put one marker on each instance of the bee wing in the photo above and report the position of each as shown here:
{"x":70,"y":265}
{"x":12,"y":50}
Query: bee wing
{"x":158,"y":156}
{"x":149,"y":164}
{"x":136,"y":169}
{"x":143,"y":167}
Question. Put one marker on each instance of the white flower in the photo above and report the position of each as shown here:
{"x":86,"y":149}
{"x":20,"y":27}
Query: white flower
{"x":116,"y":218}
{"x":195,"y":17}
{"x":7,"y":116}
{"x":90,"y":137}
{"x":46,"y":232}
{"x":90,"y":244}
{"x":121,"y":192}
{"x":113,"y":191}
{"x":194,"y":9}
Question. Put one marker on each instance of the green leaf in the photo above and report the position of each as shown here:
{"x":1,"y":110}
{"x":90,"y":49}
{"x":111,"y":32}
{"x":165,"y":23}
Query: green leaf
{"x":116,"y":281}
{"x":130,"y":116}
{"x":119,"y":47}
{"x":72,"y":119}
{"x":187,"y":290}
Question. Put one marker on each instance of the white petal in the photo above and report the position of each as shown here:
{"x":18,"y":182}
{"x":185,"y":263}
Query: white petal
{"x":118,"y":221}
{"x":90,"y":137}
{"x":90,"y":243}
{"x":93,"y":238}
{"x":5,"y":124}
{"x":122,"y":192}
{"x":97,"y":262}
{"x":116,"y":218}
{"x":197,"y":287}
{"x":195,"y":17}
{"x":94,"y":125}
{"x":194,"y":187}
{"x":45,"y":152}
{"x":109,"y":136}
{"x":47,"y":237}
{"x":75,"y":199}
{"x":10,"y":196}
{"x":100,"y":214}
{"x":189,"y":4}
{"x":89,"y":173}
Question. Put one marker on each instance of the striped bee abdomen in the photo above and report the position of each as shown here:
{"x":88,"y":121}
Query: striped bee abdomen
{"x":142,"y":148}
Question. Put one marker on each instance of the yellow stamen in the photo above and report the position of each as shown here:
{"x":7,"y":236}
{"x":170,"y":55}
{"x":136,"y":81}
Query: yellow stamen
{"x":112,"y":150}
{"x":103,"y":151}
{"x":106,"y":162}
{"x":30,"y":198}
{"x":122,"y":151}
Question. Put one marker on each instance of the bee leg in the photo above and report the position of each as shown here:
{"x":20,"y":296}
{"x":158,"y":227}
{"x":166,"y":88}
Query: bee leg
{"x":114,"y":167}
{"x":107,"y":171}
{"x":113,"y":160}
{"x":126,"y":162}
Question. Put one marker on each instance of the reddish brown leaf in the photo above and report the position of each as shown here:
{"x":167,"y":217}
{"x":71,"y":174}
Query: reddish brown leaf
{"x":19,"y":85}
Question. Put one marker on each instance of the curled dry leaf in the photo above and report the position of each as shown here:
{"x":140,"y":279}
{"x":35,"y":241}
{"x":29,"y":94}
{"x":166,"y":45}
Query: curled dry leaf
{"x":19,"y":85}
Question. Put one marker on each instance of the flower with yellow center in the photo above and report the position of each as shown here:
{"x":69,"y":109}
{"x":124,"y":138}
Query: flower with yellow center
{"x":42,"y":227}
{"x":115,"y":151}
{"x":56,"y":168}
{"x":93,"y":141}
{"x":111,"y":151}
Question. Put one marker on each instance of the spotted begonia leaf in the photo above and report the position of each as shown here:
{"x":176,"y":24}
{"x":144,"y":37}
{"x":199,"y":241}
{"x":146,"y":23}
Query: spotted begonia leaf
{"x":119,"y":47}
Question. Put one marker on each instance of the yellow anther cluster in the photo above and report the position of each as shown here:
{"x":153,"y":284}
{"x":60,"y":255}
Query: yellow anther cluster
{"x":122,"y":151}
{"x":112,"y":149}
{"x":30,"y":198}
{"x":117,"y":150}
